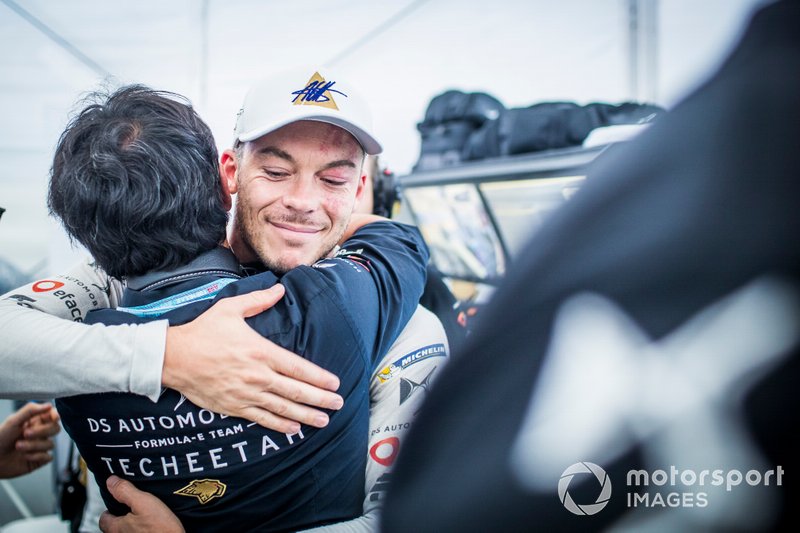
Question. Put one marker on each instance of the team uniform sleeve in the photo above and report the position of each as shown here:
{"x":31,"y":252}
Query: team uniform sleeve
{"x":379,"y":273}
{"x":47,"y":352}
{"x":397,"y":390}
{"x":351,"y":306}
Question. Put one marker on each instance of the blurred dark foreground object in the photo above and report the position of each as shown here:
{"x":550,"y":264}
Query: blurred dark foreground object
{"x":673,"y":239}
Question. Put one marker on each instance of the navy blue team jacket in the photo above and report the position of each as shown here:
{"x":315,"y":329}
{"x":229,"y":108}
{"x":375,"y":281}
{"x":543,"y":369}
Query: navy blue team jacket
{"x":220,"y":473}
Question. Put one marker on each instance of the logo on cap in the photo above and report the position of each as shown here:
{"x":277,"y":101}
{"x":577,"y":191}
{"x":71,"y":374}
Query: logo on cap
{"x":317,"y":92}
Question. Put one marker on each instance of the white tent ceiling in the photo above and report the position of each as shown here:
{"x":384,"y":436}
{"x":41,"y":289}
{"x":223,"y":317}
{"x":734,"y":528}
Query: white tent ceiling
{"x":399,"y":53}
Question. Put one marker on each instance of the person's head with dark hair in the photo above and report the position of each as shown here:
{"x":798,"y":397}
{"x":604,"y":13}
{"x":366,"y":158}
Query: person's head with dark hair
{"x":135,"y":179}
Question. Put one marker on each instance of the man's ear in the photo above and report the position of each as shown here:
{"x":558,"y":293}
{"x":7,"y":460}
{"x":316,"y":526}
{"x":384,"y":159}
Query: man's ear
{"x":360,"y":189}
{"x":227,"y":170}
{"x":226,"y":194}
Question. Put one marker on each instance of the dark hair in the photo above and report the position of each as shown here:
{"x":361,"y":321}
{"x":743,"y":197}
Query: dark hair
{"x":135,"y":179}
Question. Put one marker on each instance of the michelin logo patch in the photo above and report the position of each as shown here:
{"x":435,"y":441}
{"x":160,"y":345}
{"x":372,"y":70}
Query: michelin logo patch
{"x":433,"y":350}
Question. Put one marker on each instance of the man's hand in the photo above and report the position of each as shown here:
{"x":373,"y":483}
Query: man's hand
{"x":220,"y":363}
{"x":148,"y":513}
{"x":26,"y":439}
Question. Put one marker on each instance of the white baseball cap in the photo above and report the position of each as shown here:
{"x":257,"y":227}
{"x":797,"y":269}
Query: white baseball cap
{"x":312,"y":94}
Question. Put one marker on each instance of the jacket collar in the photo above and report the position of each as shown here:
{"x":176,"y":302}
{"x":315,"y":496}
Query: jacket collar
{"x":218,"y":261}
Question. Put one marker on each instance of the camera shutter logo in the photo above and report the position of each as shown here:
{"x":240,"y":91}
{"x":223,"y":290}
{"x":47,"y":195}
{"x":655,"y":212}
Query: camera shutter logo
{"x":602,"y":498}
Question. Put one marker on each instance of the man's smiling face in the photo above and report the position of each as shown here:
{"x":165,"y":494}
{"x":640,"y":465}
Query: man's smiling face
{"x":296,"y":188}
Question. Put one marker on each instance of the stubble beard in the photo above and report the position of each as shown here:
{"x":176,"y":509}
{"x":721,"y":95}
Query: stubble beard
{"x":249,"y":227}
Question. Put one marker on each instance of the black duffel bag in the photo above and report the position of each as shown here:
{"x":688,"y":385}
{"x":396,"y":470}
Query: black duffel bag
{"x":449,"y":121}
{"x":549,"y":125}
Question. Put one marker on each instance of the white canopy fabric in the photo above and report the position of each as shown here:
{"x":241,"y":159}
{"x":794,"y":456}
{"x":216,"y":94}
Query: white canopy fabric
{"x":401,"y":54}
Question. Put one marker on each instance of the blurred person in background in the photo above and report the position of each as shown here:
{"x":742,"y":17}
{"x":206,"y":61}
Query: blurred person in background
{"x":638,"y":367}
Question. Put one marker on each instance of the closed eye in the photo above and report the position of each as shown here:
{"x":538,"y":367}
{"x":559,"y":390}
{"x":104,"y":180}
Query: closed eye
{"x":275,"y":174}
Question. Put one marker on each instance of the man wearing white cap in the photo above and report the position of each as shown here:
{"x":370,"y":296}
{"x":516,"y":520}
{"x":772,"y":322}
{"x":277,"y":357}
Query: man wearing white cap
{"x":276,"y":141}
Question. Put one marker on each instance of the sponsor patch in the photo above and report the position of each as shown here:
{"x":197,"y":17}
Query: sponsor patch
{"x":46,"y":285}
{"x":402,"y":426}
{"x":24,"y":301}
{"x":345,"y":251}
{"x":379,"y":488}
{"x":204,"y":490}
{"x":325,"y":263}
{"x":390,"y":371}
{"x":408,"y":387}
{"x":385,"y":451}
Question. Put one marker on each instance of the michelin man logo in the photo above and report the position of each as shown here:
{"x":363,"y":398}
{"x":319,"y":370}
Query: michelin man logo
{"x":602,"y":498}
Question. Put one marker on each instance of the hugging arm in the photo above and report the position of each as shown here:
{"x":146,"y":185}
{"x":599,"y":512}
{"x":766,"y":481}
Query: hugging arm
{"x":48,"y":353}
{"x":379,"y":280}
